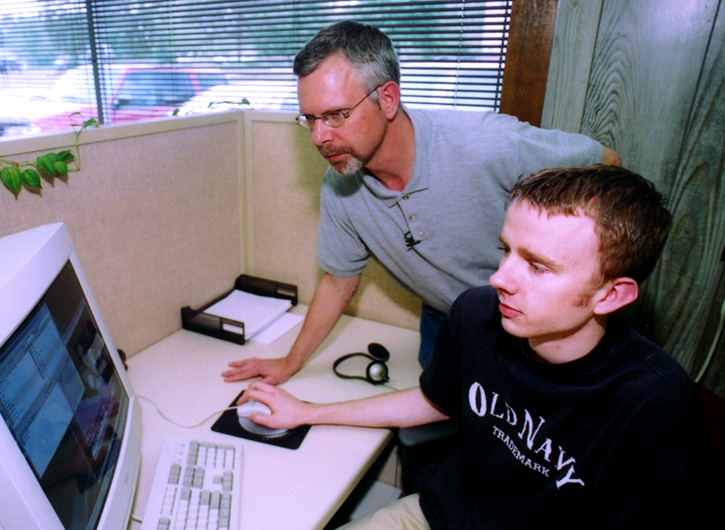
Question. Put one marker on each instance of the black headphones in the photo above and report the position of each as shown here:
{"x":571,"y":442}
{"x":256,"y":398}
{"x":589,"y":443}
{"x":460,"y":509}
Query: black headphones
{"x":376,"y":372}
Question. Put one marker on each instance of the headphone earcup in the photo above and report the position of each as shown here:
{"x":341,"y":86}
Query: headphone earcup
{"x":379,"y":351}
{"x":377,"y":373}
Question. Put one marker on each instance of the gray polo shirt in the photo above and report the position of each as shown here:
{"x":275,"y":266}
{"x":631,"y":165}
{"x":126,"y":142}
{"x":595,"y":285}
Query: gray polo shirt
{"x":439,"y":236}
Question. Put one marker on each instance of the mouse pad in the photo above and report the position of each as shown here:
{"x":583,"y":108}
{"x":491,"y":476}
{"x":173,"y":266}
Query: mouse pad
{"x":228,"y":423}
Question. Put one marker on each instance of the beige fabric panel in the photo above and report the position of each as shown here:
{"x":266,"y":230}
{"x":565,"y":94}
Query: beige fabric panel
{"x":158,"y":220}
{"x":155,"y":220}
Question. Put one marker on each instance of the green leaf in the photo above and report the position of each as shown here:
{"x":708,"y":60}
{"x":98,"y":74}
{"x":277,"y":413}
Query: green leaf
{"x":61,"y":167}
{"x":66,"y":156}
{"x":10,"y":176}
{"x":45,"y":164}
{"x":31,"y":178}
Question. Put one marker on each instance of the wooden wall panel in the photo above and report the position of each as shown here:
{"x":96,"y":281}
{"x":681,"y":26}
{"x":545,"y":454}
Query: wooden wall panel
{"x":646,"y":64}
{"x":655,"y":93}
{"x":527,"y":59}
{"x":570,"y":64}
{"x":683,"y":294}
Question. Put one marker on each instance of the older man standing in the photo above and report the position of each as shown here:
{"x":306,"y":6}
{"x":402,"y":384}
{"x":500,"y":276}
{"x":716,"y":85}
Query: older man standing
{"x":423,"y":191}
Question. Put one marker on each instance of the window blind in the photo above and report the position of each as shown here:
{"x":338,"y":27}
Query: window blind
{"x":118,"y":59}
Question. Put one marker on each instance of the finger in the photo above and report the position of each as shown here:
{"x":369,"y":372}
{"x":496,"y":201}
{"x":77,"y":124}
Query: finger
{"x":252,"y":387}
{"x":261,"y":419}
{"x":243,"y":362}
{"x":237,"y":364}
{"x":244,"y":397}
{"x":261,"y":387}
{"x":231,"y":377}
{"x":254,"y":392}
{"x":272,"y":380}
{"x":241,"y":372}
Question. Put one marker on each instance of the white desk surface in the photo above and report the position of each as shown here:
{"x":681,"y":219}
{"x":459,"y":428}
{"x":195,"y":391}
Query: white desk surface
{"x":282,"y":488}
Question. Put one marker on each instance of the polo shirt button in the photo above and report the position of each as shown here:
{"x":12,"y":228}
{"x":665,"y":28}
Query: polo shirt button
{"x":420,"y":234}
{"x":406,"y":197}
{"x":413,"y":217}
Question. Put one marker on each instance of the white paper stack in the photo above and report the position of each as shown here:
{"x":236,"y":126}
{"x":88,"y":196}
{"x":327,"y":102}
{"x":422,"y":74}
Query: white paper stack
{"x":257,"y":312}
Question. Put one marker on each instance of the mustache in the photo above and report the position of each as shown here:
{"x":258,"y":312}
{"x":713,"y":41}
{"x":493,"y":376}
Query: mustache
{"x":331,"y":151}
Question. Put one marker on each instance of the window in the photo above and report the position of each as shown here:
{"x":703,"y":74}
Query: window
{"x":119,"y":60}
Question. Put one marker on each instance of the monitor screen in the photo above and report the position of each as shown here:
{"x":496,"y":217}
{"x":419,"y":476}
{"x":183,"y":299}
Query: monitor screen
{"x":63,"y":401}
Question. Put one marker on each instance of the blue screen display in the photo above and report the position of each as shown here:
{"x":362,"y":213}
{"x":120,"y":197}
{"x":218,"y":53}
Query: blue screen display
{"x":63,"y":402}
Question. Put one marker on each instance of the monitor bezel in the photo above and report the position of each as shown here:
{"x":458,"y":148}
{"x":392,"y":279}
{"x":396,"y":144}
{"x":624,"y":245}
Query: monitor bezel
{"x":30,"y":261}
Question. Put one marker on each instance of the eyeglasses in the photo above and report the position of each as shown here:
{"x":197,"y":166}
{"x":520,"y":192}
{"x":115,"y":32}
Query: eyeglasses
{"x":334,"y":118}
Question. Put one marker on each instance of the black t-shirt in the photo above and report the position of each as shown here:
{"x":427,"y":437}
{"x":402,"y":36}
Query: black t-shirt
{"x":615,"y":439}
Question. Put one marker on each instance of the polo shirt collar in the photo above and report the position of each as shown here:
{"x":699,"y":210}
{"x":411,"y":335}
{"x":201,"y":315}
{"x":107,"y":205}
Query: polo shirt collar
{"x":418,"y":181}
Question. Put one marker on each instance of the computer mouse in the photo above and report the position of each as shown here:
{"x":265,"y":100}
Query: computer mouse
{"x":256,"y":407}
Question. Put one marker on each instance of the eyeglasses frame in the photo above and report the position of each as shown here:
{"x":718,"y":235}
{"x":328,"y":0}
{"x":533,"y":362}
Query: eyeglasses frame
{"x":304,"y":119}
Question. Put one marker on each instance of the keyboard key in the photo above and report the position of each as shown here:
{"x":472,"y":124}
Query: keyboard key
{"x":174,"y":474}
{"x":197,"y":485}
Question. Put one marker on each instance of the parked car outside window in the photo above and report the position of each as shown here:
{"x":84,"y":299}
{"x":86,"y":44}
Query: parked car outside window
{"x":268,"y":94}
{"x":129,"y":92}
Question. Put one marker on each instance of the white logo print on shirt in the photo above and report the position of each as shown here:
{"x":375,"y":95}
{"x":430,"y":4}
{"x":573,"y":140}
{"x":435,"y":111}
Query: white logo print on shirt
{"x":478,"y":402}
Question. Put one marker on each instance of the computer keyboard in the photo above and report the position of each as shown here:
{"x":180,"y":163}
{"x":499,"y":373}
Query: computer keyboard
{"x":197,"y":485}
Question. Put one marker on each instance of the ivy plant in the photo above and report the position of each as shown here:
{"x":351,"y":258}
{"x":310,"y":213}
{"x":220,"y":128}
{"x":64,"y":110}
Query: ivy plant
{"x":30,"y":173}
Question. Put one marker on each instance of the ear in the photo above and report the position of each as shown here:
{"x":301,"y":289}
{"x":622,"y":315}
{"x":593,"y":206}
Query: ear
{"x":616,"y":294}
{"x":389,"y":99}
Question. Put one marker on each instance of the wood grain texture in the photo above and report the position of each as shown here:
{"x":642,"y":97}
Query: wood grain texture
{"x":571,"y":57}
{"x":713,"y":374}
{"x":527,"y":59}
{"x":655,"y":94}
{"x":683,"y":293}
{"x":646,"y":65}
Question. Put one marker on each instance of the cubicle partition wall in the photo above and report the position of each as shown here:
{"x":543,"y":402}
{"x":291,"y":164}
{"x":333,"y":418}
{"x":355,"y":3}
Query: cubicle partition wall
{"x":168,"y":213}
{"x":154,"y":214}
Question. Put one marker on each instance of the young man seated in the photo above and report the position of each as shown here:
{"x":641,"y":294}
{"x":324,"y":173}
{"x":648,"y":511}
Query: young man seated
{"x":570,"y":419}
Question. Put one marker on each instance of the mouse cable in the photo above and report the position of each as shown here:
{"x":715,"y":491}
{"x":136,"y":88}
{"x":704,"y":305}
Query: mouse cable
{"x":210,"y":416}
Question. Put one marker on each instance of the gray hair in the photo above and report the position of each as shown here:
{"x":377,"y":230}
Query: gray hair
{"x":367,"y":48}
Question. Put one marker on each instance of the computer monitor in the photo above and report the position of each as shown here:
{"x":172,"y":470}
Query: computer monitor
{"x":70,"y":423}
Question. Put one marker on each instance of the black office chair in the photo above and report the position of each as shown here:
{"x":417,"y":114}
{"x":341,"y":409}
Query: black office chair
{"x":423,"y":445}
{"x":714,"y":407}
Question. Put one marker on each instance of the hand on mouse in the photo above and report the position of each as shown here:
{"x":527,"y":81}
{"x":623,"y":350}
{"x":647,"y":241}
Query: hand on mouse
{"x":255,"y":408}
{"x":287,"y":411}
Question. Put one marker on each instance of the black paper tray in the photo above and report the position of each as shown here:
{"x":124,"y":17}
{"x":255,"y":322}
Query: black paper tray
{"x":200,"y":322}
